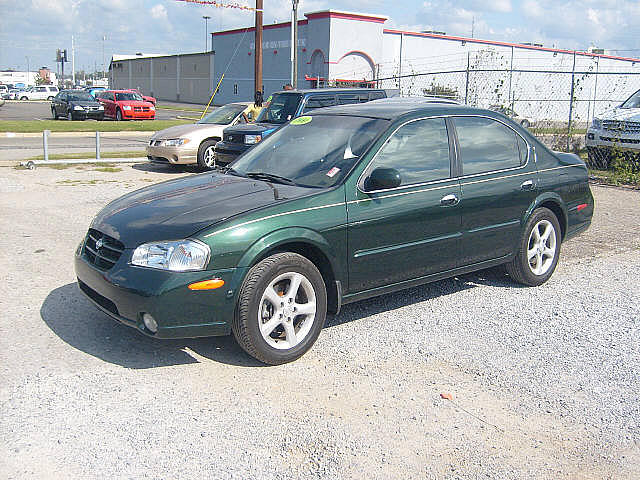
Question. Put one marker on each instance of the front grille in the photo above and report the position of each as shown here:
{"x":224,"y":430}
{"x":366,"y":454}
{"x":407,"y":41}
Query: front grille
{"x":234,"y":138}
{"x":621,"y":126}
{"x":102,"y":250}
{"x":140,"y":109}
{"x":104,"y":302}
{"x":634,"y":141}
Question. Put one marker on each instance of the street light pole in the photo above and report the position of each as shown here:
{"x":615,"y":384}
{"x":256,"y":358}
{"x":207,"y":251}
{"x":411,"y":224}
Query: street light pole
{"x":28,"y":70}
{"x":206,"y":31}
{"x":104,"y":37}
{"x":294,"y":43}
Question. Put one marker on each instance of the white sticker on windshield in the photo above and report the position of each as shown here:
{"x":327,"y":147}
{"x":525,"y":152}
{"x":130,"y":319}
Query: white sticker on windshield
{"x":333,"y":172}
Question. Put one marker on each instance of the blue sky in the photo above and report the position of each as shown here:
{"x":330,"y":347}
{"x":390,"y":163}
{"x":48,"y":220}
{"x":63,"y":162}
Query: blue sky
{"x":37,"y":28}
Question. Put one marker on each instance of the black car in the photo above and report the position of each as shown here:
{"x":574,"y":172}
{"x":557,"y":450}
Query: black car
{"x":76,"y":105}
{"x":282,"y":107}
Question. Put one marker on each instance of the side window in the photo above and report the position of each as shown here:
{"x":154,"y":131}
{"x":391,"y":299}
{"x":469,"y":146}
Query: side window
{"x":418,"y":150}
{"x":347,"y":98}
{"x":486,"y":145}
{"x":523,"y":149}
{"x":319,"y":102}
{"x":376,"y":95}
{"x":41,"y":89}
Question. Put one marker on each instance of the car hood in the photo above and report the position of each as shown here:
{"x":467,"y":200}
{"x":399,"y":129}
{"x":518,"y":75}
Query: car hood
{"x":180,"y":130}
{"x":630,"y":114}
{"x":85,"y":103}
{"x":252,"y":129}
{"x":179,"y":208}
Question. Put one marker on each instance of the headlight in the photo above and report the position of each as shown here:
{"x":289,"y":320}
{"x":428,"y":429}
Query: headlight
{"x":176,"y":142}
{"x":251,"y":139}
{"x":152,"y":107}
{"x":178,"y":256}
{"x":100,"y":107}
{"x":78,"y":107}
{"x":126,"y":107}
{"x":597,"y":124}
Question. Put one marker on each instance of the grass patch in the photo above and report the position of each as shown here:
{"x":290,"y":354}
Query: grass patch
{"x":556,"y":131}
{"x":36,"y":126}
{"x":181,"y":109}
{"x":74,"y":183}
{"x":107,"y":169}
{"x":75,"y":156}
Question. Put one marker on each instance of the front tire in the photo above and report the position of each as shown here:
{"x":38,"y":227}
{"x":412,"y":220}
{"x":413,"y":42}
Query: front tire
{"x":69,"y":116}
{"x":282,"y":307}
{"x":54,"y":113}
{"x":118,"y":115}
{"x":539,"y":249}
{"x":206,"y":155}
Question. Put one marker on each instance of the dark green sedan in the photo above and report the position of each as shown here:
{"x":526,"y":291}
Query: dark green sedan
{"x":342,"y":205}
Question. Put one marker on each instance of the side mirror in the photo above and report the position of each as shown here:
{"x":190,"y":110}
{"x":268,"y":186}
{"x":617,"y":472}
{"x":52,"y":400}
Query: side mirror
{"x":382,"y":179}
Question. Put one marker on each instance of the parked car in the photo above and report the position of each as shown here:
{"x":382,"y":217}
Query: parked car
{"x":76,"y":105}
{"x":618,"y":128}
{"x":195,"y":143}
{"x":337,"y":206}
{"x":4,"y":89}
{"x":125,"y":105}
{"x":283,"y":107}
{"x":146,"y":98}
{"x":39,"y":92}
{"x":526,"y":123}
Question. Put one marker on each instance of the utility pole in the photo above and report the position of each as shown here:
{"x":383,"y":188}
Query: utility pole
{"x":206,"y":31}
{"x":104,"y":37}
{"x":294,"y":44}
{"x":258,"y":42}
{"x":28,"y":70}
{"x":73,"y":63}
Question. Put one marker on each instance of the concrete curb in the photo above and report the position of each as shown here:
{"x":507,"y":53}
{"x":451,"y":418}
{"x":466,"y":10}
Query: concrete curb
{"x":77,"y":134}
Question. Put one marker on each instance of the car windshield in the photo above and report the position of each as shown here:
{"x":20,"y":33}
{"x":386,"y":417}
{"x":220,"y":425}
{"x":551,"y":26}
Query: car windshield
{"x":633,"y":101}
{"x":282,"y":108}
{"x":223,"y":115}
{"x":80,"y":97}
{"x":128,"y":96}
{"x":313,"y":151}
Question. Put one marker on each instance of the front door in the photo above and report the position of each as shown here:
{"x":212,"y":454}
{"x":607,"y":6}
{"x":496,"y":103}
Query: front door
{"x":413,"y":229}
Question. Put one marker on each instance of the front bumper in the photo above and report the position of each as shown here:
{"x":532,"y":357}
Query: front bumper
{"x":95,"y":115}
{"x":612,"y":139}
{"x":131,"y":115}
{"x":174,"y":155}
{"x":125,"y":292}
{"x":227,"y":152}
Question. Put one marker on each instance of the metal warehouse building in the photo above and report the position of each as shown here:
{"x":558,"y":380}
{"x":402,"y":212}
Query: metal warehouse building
{"x":353,"y":48}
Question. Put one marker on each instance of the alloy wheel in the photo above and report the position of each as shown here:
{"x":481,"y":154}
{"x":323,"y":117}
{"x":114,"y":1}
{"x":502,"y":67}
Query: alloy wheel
{"x":287,"y":310}
{"x":542,"y":247}
{"x":210,"y":157}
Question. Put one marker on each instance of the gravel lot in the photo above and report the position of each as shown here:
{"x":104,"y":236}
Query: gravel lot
{"x":544,"y":381}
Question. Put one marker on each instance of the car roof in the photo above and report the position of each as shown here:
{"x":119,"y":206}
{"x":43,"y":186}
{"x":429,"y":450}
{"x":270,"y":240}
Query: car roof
{"x":306,"y":91}
{"x":392,"y":108}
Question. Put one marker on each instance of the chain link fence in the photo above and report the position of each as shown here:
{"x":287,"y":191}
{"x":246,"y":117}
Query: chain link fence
{"x":556,"y":106}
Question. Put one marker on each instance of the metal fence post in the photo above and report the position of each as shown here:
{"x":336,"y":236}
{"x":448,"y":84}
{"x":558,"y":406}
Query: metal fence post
{"x":466,"y":88}
{"x":573,"y":76}
{"x":97,"y":145}
{"x":45,"y":144}
{"x":511,"y":101}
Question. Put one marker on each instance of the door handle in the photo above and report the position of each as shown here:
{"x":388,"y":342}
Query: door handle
{"x":527,"y":185}
{"x":449,"y":200}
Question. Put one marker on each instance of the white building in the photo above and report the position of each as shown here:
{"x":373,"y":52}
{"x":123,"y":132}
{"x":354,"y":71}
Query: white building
{"x":343,"y":47}
{"x":26,"y":78}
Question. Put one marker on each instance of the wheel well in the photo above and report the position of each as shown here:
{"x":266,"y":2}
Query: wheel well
{"x":557,"y":211}
{"x":217,"y":139}
{"x":319,"y":259}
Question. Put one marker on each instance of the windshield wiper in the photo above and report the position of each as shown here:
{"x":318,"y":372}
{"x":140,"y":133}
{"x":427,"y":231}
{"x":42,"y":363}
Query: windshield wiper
{"x":270,"y":177}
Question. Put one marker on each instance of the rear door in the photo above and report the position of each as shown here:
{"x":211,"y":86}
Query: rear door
{"x":499,"y":183}
{"x":413,"y":230}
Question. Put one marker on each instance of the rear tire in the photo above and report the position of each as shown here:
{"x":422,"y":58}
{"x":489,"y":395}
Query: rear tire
{"x":538,"y":251}
{"x":24,"y":98}
{"x":49,"y":98}
{"x":206,"y":155}
{"x":282,"y":307}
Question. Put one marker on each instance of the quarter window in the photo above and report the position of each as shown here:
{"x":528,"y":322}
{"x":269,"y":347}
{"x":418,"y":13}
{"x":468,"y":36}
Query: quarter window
{"x":419,"y":151}
{"x":318,"y":102}
{"x":487,"y":145}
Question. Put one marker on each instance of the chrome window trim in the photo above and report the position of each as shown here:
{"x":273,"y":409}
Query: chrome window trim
{"x":359,"y":183}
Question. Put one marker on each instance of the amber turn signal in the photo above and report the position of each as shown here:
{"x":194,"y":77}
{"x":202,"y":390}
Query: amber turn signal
{"x":207,"y":284}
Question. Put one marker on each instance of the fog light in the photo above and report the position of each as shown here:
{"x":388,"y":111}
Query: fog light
{"x":150,"y":322}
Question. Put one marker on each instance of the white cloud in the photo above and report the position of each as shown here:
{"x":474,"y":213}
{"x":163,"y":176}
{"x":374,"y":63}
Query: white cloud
{"x":159,"y":12}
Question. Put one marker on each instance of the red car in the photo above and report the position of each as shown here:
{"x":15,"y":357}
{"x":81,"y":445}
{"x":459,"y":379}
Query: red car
{"x":126,"y":105}
{"x":146,"y":98}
